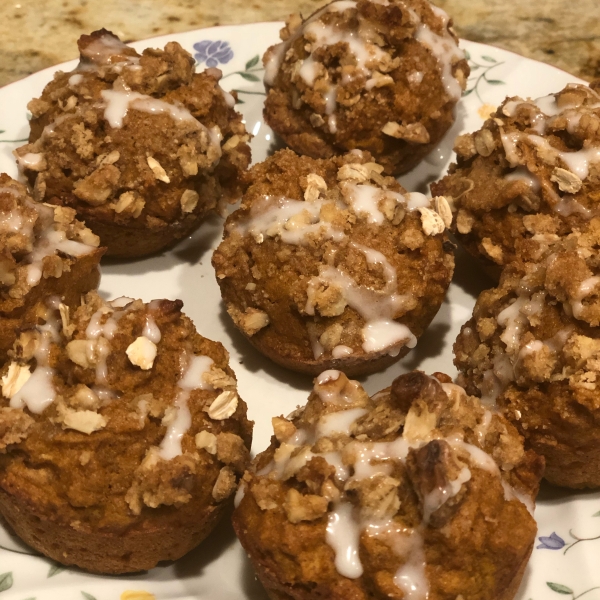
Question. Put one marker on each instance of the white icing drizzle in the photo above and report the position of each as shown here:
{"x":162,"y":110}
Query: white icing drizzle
{"x":521,"y":173}
{"x":151,"y":330}
{"x":75,"y":79}
{"x":445,"y":50}
{"x":192,"y":379}
{"x":170,"y":447}
{"x":585,"y":289}
{"x":49,"y":242}
{"x":343,"y":535}
{"x":341,"y":351}
{"x":38,"y":392}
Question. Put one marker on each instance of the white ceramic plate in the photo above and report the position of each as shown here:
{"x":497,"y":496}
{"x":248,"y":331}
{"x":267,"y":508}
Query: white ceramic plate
{"x":564,"y":562}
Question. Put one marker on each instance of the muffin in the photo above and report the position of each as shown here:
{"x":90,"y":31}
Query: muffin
{"x":378,"y":76}
{"x":532,"y":350}
{"x":140,"y":145}
{"x":329,"y":264}
{"x":44,"y":251}
{"x":122,"y":436}
{"x":529,"y":176}
{"x":418,"y":492}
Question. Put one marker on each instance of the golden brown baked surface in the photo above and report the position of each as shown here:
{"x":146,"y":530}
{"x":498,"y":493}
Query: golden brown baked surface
{"x":533,"y":349}
{"x":122,"y":436}
{"x":417,"y":488}
{"x":382,"y":77}
{"x":529,"y":176}
{"x":328,"y":264}
{"x":140,"y":145}
{"x":44,"y":251}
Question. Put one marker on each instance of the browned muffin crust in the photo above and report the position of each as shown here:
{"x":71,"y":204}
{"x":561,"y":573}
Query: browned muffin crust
{"x":528,"y":177}
{"x":122,"y":436}
{"x":417,"y":488}
{"x":140,"y":145}
{"x":44,"y":251}
{"x":533,"y":349}
{"x":377,"y":76}
{"x":326,"y":258}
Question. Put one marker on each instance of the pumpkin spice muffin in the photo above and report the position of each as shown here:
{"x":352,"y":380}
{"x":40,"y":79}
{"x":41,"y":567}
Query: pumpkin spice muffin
{"x":378,"y":76}
{"x":122,"y":436}
{"x":140,"y":145}
{"x":44,"y":251}
{"x":532,"y":350}
{"x":528,"y":177}
{"x":418,"y":492}
{"x":329,"y":264}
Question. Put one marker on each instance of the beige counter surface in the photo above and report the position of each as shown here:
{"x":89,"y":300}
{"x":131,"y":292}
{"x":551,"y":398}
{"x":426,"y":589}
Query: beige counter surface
{"x":35,"y":35}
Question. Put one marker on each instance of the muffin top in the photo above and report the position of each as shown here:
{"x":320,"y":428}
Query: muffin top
{"x":129,"y":136}
{"x":539,"y":327}
{"x":328,"y":259}
{"x":531,"y":174}
{"x":36,"y":241}
{"x":360,"y":71}
{"x":116,"y":409}
{"x":384,"y":490}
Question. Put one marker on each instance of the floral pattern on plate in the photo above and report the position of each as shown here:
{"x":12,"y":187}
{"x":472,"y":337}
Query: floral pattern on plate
{"x":219,"y":568}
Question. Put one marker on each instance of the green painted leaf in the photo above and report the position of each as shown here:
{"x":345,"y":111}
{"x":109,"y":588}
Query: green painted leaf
{"x":55,"y":570}
{"x":474,"y":68}
{"x":467,"y":92}
{"x":252,"y":62}
{"x":495,"y":82}
{"x":88,"y":596}
{"x":467,"y":55}
{"x":240,"y":101}
{"x":559,"y":588}
{"x":596,"y":514}
{"x":489,"y":59}
{"x":6,"y":581}
{"x":2,"y":130}
{"x":250,"y":77}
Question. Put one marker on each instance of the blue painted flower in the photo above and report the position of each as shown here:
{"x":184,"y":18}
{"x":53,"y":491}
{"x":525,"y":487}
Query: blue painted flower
{"x":213,"y":53}
{"x":554,"y":542}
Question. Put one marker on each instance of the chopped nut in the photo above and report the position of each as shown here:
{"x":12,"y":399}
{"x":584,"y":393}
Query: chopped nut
{"x":443,"y":209}
{"x":378,"y":496}
{"x":159,"y":172}
{"x":189,"y":201}
{"x":86,"y":421}
{"x":111,"y":158}
{"x":283,"y":428}
{"x":96,"y":188}
{"x":206,"y":441}
{"x":14,"y":426}
{"x":316,"y":120}
{"x":419,"y":422}
{"x":304,"y":508}
{"x":251,"y":321}
{"x":413,"y":132}
{"x":464,"y":221}
{"x":142,"y":353}
{"x":224,"y":485}
{"x":15,"y":379}
{"x":130,"y":202}
{"x":354,"y":171}
{"x":492,"y":250}
{"x":217,"y":378}
{"x":431,"y":222}
{"x":331,"y":336}
{"x":223,"y":406}
{"x":231,"y":143}
{"x":315,"y":184}
{"x":87,"y":353}
{"x":567,"y":181}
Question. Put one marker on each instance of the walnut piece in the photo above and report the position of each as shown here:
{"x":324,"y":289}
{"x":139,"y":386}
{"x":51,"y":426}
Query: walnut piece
{"x":142,"y":353}
{"x":304,"y":508}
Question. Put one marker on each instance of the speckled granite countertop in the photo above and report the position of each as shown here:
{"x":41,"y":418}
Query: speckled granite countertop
{"x":35,"y":35}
